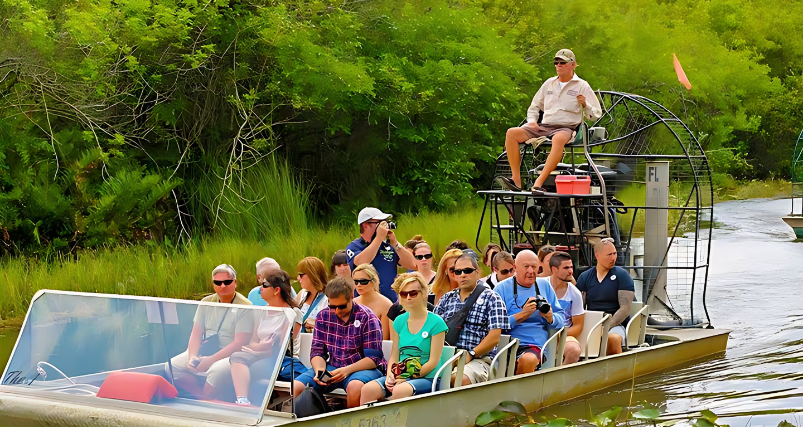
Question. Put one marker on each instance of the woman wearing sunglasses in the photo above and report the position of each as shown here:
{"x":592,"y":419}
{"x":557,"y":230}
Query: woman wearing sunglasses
{"x":255,"y":357}
{"x":366,"y":282}
{"x":424,"y":260}
{"x":444,"y":279}
{"x":311,"y":299}
{"x":418,"y":338}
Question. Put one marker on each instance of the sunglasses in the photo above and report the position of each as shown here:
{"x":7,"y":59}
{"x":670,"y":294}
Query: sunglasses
{"x":362,"y":281}
{"x":223,"y":282}
{"x":336,"y":307}
{"x":506,"y":271}
{"x":300,"y":275}
{"x":411,"y":294}
{"x":464,"y":271}
{"x":423,"y":257}
{"x":268,"y":285}
{"x":561,"y":62}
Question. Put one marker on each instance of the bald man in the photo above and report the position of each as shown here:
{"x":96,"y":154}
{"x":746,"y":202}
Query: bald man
{"x":609,"y":289}
{"x":529,"y":301}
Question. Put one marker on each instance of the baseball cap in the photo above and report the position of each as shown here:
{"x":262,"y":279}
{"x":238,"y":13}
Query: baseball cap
{"x":566,"y":55}
{"x":225,"y":268}
{"x":371,"y":213}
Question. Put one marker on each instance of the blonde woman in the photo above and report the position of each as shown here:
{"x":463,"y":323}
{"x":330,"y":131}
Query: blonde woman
{"x":311,"y":299}
{"x":423,"y":259}
{"x":366,"y":282}
{"x":444,"y":278}
{"x":418,"y":338}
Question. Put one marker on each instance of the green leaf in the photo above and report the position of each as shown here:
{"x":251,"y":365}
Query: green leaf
{"x":708,"y":415}
{"x":559,"y":422}
{"x":785,"y":423}
{"x":646,"y":414}
{"x":512,"y":407}
{"x":485,"y":418}
{"x":702,"y":422}
{"x":607,"y":418}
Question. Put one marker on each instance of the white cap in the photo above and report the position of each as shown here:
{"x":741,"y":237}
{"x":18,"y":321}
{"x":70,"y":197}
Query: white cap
{"x":371,"y":213}
{"x":225,"y":268}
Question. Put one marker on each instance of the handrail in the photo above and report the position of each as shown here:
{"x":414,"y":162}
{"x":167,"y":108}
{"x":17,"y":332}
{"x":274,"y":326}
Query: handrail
{"x":511,"y":363}
{"x":642,"y":316}
{"x":460,"y":358}
{"x":558,"y":336}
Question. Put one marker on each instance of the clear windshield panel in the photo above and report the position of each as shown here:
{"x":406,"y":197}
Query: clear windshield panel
{"x":173,"y":355}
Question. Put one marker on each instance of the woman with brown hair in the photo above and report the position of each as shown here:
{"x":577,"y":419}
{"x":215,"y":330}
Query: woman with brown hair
{"x":340,"y":265}
{"x":423,"y":259}
{"x":311,"y":299}
{"x":444,"y":278}
{"x":366,"y":282}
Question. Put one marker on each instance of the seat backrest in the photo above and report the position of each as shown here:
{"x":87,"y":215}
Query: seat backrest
{"x":591,"y":337}
{"x":387,"y":348}
{"x":445,"y":372}
{"x":552,"y":354}
{"x":306,"y":346}
{"x":503,"y":341}
{"x":637,"y":327}
{"x":635,"y":306}
{"x":504,"y":363}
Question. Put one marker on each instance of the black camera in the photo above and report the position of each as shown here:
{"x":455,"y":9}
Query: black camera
{"x":391,"y":225}
{"x":540,"y":304}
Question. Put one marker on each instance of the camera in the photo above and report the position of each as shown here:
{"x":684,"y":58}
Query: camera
{"x":540,"y":304}
{"x":391,"y":225}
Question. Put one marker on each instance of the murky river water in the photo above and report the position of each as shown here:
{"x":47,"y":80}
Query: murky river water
{"x":755,"y":289}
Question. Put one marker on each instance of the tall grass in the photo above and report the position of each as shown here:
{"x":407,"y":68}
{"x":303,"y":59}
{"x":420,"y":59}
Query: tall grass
{"x":159,"y":271}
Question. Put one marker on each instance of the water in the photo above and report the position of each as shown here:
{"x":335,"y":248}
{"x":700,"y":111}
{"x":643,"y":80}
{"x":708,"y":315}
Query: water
{"x":755,"y":289}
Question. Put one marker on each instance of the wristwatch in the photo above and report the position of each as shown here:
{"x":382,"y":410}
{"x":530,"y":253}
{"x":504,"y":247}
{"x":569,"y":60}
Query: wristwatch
{"x":472,"y":353}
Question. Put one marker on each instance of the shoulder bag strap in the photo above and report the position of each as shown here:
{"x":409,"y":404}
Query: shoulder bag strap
{"x":469,"y":304}
{"x":315,"y":302}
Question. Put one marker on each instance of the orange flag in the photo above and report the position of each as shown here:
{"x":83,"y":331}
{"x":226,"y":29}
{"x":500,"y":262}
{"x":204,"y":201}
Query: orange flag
{"x":681,"y":75}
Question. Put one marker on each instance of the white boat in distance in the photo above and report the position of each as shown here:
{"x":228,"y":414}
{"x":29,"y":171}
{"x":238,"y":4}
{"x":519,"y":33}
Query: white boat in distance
{"x":102,"y":360}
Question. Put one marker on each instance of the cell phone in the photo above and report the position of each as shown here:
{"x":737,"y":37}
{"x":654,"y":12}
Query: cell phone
{"x":325,"y":376}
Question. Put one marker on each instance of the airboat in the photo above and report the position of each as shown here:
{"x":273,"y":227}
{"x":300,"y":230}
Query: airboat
{"x":795,"y":218}
{"x":105,"y":360}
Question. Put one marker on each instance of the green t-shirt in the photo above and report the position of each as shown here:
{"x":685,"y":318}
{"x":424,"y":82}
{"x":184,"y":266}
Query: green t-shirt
{"x":419,"y":345}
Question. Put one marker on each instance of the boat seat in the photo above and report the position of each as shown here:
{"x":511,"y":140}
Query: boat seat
{"x":637,"y":327}
{"x":504,"y":363}
{"x":453,"y":356}
{"x":552,"y":354}
{"x":594,"y":338}
{"x":306,"y":347}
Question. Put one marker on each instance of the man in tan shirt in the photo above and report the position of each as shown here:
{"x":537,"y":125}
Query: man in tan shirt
{"x":562,"y":99}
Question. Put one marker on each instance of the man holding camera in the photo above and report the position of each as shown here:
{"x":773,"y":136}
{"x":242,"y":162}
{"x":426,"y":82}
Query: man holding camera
{"x":377,"y":245}
{"x":346,"y":349}
{"x":529,"y":302}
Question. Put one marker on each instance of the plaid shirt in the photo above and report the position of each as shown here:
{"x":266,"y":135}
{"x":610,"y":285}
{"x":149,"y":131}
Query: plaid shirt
{"x":488,"y":313}
{"x":343,"y":344}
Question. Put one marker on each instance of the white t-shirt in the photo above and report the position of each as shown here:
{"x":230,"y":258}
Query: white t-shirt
{"x":562,"y":84}
{"x":571,"y":303}
{"x":271,"y":321}
{"x":324,"y":302}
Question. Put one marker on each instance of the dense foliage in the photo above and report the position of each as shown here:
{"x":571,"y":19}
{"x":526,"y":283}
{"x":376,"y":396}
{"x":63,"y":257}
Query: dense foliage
{"x":130,"y":120}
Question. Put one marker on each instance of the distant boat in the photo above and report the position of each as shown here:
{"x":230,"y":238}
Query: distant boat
{"x":795,"y":219}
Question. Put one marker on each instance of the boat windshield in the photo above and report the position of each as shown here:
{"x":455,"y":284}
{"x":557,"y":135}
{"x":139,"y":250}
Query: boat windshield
{"x":157,"y":355}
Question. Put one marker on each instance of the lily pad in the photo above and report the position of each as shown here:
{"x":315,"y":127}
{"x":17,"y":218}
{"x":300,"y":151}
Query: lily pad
{"x":485,"y":418}
{"x":646,"y":414}
{"x":512,"y":407}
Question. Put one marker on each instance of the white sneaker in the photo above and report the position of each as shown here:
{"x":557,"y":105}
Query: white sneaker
{"x":242,"y":400}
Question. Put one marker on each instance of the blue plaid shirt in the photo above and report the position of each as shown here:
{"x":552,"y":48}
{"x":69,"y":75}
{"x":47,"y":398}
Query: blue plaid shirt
{"x":488,"y":313}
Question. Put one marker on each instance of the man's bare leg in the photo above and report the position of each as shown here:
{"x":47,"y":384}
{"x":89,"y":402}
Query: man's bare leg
{"x":513,"y":138}
{"x":555,"y":156}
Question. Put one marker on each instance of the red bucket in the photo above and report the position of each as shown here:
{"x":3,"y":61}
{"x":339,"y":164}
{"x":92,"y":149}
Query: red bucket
{"x":573,"y":184}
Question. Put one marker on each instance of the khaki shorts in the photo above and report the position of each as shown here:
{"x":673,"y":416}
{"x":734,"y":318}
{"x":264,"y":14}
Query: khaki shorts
{"x":477,"y":370}
{"x":570,"y":338}
{"x":546,"y":130}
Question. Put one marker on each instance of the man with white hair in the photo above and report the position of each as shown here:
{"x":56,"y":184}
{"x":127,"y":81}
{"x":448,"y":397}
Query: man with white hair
{"x":609,"y":288}
{"x":217,"y":332}
{"x":264,"y":267}
{"x":378,"y":246}
{"x":525,"y":295}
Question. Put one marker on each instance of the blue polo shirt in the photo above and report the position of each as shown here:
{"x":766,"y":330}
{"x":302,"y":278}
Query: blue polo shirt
{"x":534,"y":330}
{"x":385,"y":262}
{"x":604,"y":296}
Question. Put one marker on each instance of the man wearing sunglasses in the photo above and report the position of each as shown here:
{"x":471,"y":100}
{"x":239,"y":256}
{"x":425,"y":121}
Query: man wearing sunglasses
{"x":378,"y":246}
{"x":502,"y":268}
{"x":529,"y":303}
{"x":217,"y":332}
{"x":484,"y":323}
{"x":346,"y":347}
{"x":561,"y":99}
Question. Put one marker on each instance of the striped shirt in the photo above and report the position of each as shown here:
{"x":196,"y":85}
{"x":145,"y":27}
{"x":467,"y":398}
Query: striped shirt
{"x":343,"y":344}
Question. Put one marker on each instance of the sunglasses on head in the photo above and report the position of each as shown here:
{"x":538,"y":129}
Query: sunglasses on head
{"x":423,"y":256}
{"x":411,"y":294}
{"x":362,"y":281}
{"x":460,"y":272}
{"x":222,"y":282}
{"x":506,"y":271}
{"x":561,"y":62}
{"x":336,"y":307}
